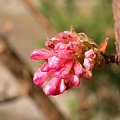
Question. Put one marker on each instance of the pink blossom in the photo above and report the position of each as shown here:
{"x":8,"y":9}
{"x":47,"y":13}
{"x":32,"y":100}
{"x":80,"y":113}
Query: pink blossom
{"x":67,"y":61}
{"x":74,"y":79}
{"x":40,"y":77}
{"x":89,"y":54}
{"x":88,"y":63}
{"x":63,"y":71}
{"x":78,"y":68}
{"x":89,"y":59}
{"x":55,"y":62}
{"x":41,"y":54}
{"x":54,"y":87}
{"x":50,"y":43}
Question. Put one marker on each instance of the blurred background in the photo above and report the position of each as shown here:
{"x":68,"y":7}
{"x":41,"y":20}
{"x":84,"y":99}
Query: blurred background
{"x":24,"y":26}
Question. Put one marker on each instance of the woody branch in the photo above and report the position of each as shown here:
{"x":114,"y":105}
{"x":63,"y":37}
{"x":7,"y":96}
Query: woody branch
{"x":116,"y":15}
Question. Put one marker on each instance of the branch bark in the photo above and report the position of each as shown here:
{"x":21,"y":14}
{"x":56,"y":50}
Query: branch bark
{"x":22,"y":72}
{"x":116,"y":14}
{"x":39,"y":16}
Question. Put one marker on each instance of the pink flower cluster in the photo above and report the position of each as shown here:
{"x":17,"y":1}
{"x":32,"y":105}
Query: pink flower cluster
{"x":66,"y":62}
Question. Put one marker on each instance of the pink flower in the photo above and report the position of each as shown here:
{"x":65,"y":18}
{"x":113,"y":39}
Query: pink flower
{"x":89,"y":54}
{"x":64,"y":70}
{"x":54,"y":87}
{"x":67,"y":61}
{"x":78,"y":68}
{"x":41,"y":76}
{"x":74,"y":79}
{"x":59,"y":63}
{"x":41,"y":54}
{"x":89,"y":59}
{"x":88,"y":63}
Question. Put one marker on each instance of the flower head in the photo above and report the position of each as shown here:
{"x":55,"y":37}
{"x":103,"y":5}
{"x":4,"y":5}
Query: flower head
{"x":71,"y":57}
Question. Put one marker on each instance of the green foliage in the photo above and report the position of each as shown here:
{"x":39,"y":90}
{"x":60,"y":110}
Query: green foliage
{"x":98,"y":24}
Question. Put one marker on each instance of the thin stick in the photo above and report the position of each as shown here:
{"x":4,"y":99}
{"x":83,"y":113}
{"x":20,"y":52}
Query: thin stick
{"x":39,"y":16}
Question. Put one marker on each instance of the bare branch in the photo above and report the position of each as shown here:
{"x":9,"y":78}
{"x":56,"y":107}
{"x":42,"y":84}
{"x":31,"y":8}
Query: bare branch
{"x":22,"y":72}
{"x":39,"y":16}
{"x":116,"y":14}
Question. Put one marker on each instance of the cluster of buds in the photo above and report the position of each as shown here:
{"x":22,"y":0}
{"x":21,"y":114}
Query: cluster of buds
{"x":72,"y":56}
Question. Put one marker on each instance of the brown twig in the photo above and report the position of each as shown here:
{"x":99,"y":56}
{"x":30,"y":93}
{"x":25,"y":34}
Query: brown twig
{"x":116,"y":14}
{"x":39,"y":16}
{"x":22,"y":72}
{"x":110,"y":59}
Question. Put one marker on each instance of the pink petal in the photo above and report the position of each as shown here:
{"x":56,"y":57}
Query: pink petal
{"x":78,"y":68}
{"x":66,"y":54}
{"x":45,"y":67}
{"x":51,"y":42}
{"x":71,"y":45}
{"x":41,"y":54}
{"x":74,"y":79}
{"x":88,"y":63}
{"x":64,"y":70}
{"x":50,"y":88}
{"x":89,"y":54}
{"x":62,"y":86}
{"x":55,"y":62}
{"x":59,"y":46}
{"x":40,"y":77}
{"x":74,"y":47}
{"x":55,"y":86}
{"x":65,"y":37}
{"x":64,"y":34}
